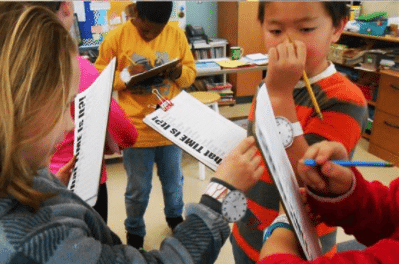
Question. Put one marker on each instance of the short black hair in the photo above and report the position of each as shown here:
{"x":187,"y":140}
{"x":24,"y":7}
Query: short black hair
{"x":336,"y":10}
{"x":154,"y":11}
{"x":54,"y":6}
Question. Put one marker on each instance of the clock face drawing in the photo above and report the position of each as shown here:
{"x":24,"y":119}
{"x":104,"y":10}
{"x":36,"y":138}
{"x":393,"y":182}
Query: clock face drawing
{"x":285,"y":130}
{"x":234,"y":206}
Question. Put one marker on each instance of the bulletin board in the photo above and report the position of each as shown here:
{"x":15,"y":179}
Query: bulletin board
{"x":97,"y":18}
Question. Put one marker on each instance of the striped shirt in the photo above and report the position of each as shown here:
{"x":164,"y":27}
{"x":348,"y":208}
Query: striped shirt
{"x":344,"y":111}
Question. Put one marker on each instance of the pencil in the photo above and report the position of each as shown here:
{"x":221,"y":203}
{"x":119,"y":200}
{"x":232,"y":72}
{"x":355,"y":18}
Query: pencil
{"x":309,"y":88}
{"x":312,"y":96}
{"x":349,"y":163}
{"x":128,"y":57}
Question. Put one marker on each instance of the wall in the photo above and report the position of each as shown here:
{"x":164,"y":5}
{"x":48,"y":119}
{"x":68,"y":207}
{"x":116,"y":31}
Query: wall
{"x":203,"y":13}
{"x":391,"y":7}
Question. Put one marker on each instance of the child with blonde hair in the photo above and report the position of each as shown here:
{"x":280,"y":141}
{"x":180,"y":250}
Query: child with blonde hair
{"x":40,"y":220}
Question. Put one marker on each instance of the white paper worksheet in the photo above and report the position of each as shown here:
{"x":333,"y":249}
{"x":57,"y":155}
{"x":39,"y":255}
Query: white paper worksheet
{"x":283,"y":175}
{"x":91,"y":120}
{"x":197,"y":129}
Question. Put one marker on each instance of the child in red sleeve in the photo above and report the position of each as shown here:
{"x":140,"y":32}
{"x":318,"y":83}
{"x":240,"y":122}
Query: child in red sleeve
{"x":342,"y":197}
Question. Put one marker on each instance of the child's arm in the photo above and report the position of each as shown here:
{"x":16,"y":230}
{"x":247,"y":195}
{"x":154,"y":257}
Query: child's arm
{"x":120,"y":127}
{"x":368,"y":210}
{"x":188,"y":72}
{"x":285,"y":68}
{"x":109,"y":49}
{"x":343,"y":197}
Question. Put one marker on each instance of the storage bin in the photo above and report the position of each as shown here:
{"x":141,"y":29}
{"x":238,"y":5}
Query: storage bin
{"x":375,"y":28}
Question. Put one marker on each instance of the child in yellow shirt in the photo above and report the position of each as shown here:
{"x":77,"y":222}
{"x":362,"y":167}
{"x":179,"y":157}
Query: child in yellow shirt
{"x":149,"y":41}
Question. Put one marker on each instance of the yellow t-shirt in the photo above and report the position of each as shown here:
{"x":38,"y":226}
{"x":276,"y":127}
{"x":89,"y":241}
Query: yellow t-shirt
{"x":170,"y":44}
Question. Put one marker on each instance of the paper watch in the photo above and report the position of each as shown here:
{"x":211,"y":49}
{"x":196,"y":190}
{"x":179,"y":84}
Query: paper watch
{"x":233,"y":202}
{"x":287,"y":130}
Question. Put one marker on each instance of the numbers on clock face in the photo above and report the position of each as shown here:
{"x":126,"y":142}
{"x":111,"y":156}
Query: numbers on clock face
{"x":234,"y":206}
{"x":285,"y":131}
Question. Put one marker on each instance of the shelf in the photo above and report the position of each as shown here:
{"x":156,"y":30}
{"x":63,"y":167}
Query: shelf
{"x":386,"y":39}
{"x":232,"y":103}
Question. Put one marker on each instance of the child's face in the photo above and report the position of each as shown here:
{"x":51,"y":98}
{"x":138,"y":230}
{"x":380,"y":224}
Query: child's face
{"x":148,"y":30}
{"x":308,"y":22}
{"x":39,"y":153}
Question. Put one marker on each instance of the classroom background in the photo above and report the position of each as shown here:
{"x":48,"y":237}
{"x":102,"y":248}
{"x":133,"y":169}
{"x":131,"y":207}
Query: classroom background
{"x":367,"y":53}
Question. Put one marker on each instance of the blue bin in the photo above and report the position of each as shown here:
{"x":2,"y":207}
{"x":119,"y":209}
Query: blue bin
{"x":375,"y":28}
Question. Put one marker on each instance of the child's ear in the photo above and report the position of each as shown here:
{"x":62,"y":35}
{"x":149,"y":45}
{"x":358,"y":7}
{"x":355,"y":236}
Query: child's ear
{"x":66,"y":8}
{"x":338,"y":30}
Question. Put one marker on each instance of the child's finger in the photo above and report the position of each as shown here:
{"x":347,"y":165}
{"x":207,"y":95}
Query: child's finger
{"x":251,"y":152}
{"x":330,"y":150}
{"x":259,"y":171}
{"x":282,"y":52}
{"x":291,"y":50}
{"x":312,"y":151}
{"x":310,"y":176}
{"x":335,"y":171}
{"x":300,"y":50}
{"x":273,"y":56}
{"x":245,"y":145}
{"x":69,"y":165}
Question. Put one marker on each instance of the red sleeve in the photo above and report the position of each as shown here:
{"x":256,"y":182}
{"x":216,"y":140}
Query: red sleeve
{"x":370,"y":213}
{"x":385,"y":251}
{"x":120,"y":127}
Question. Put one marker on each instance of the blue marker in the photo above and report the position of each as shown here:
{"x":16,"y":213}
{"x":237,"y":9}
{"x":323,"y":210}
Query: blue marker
{"x":349,"y":163}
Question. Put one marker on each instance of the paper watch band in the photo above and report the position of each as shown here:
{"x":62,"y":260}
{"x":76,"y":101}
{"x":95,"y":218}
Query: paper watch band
{"x":297,"y":128}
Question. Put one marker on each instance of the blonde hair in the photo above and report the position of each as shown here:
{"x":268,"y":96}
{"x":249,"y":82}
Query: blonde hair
{"x":35,"y":70}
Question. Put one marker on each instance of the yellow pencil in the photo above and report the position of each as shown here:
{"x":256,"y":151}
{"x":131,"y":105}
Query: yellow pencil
{"x":128,"y":57}
{"x":312,"y":96}
{"x":310,"y":91}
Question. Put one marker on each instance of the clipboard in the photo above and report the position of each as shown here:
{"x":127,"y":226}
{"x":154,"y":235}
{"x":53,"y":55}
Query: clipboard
{"x":197,"y":129}
{"x":92,"y":108}
{"x":154,"y":72}
{"x":280,"y":169}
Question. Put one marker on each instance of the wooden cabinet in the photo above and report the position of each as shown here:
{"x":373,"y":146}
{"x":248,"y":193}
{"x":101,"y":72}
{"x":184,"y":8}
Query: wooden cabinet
{"x":384,"y":140}
{"x":237,"y":22}
{"x":371,"y":79}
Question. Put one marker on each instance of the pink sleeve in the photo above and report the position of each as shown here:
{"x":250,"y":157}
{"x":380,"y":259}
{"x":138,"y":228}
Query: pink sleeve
{"x":120,"y":127}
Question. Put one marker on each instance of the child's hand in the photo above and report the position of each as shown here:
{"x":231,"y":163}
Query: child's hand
{"x":286,"y":66}
{"x":174,"y":73}
{"x":242,"y":167}
{"x":64,"y":174}
{"x":328,"y":178}
{"x":136,"y":69}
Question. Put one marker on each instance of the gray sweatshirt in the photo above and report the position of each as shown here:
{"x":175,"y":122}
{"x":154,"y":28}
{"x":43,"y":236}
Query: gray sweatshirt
{"x":67,"y":230}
